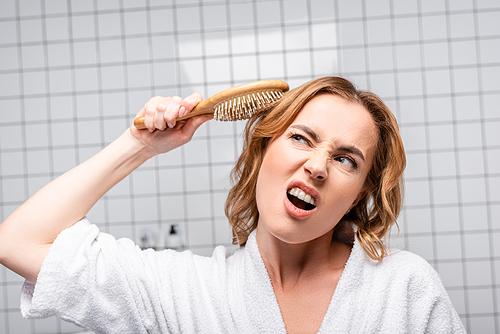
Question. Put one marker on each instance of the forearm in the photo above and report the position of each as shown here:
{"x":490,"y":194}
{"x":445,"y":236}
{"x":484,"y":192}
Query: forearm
{"x":32,"y":228}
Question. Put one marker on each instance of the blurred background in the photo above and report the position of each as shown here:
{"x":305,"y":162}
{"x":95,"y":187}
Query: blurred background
{"x":73,"y":74}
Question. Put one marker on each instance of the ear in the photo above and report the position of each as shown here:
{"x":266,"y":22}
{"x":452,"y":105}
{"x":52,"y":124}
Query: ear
{"x":360,"y":196}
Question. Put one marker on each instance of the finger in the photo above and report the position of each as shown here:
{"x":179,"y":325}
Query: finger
{"x":161,"y":107}
{"x":190,"y":102}
{"x":149,"y":115}
{"x":172,"y":111}
{"x":148,"y":111}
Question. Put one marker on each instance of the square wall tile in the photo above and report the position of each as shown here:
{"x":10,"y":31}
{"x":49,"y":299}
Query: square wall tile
{"x":172,"y":208}
{"x":298,"y":64}
{"x":10,"y":58}
{"x":416,"y":165}
{"x":270,"y":39}
{"x":417,"y":193}
{"x":439,"y":109}
{"x":17,"y":324}
{"x":448,"y":247}
{"x":63,"y":160}
{"x":464,"y":52}
{"x":414,"y":137}
{"x":60,"y":81}
{"x":215,"y":16}
{"x":471,"y":162}
{"x":322,"y":10}
{"x":296,"y":10}
{"x":441,"y":137}
{"x":350,"y":9}
{"x":83,"y":26}
{"x":410,"y":84}
{"x":56,"y":28}
{"x":422,"y":246}
{"x":197,"y":179}
{"x":163,"y":47}
{"x":488,"y":22}
{"x":216,"y":43}
{"x":489,"y":50}
{"x":10,"y":26}
{"x":144,"y":182}
{"x":489,"y":78}
{"x":325,"y":62}
{"x":480,"y":301}
{"x":118,"y":210}
{"x":411,"y":110}
{"x":475,"y":217}
{"x":14,"y":190}
{"x":482,"y":324}
{"x":351,"y":33}
{"x":353,"y":60}
{"x":59,"y":54}
{"x":452,"y":274}
{"x":84,"y":52}
{"x":465,"y":80}
{"x":472,"y":190}
{"x":381,"y":58}
{"x":161,"y":20}
{"x":408,"y":56}
{"x":406,"y":29}
{"x":199,"y":233}
{"x":478,"y":273}
{"x":492,"y":134}
{"x":12,"y":163}
{"x":419,"y":220}
{"x":190,"y":45}
{"x":444,"y":191}
{"x":379,"y":31}
{"x":198,"y":206}
{"x":218,"y":69}
{"x":462,"y":25}
{"x":271,"y":66}
{"x":268,"y":12}
{"x":476,"y":246}
{"x":38,"y":162}
{"x":434,"y":27}
{"x":145,"y":209}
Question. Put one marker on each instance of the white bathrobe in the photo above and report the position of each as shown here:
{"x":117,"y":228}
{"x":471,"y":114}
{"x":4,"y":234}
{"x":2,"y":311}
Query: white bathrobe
{"x":111,"y":286}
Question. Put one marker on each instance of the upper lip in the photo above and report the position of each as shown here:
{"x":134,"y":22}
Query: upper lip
{"x":305,"y":188}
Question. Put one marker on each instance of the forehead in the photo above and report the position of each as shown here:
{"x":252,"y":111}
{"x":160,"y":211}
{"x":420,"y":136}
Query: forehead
{"x":336,"y":119}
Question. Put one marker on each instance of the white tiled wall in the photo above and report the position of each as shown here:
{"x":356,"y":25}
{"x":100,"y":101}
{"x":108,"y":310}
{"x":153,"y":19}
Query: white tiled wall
{"x":74,"y":73}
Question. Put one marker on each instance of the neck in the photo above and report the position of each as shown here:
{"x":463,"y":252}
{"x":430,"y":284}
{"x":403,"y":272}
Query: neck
{"x":290,"y":264}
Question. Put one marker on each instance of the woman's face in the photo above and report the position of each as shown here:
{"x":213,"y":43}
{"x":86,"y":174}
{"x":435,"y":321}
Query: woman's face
{"x":315,"y":171}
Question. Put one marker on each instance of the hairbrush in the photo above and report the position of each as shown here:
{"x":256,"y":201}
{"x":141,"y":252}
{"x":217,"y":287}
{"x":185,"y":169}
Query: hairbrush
{"x":236,"y":103}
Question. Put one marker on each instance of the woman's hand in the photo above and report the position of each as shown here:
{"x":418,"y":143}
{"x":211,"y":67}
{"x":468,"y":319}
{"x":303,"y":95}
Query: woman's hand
{"x":165,"y":133}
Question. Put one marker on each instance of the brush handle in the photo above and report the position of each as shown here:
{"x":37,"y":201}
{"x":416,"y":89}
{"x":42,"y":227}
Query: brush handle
{"x":200,"y":109}
{"x":207,"y":106}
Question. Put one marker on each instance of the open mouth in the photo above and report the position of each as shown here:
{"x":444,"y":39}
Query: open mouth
{"x":300,"y":199}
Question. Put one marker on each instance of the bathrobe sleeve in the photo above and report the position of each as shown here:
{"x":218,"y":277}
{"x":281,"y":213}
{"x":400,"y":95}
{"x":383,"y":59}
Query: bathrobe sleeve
{"x":112,"y":286}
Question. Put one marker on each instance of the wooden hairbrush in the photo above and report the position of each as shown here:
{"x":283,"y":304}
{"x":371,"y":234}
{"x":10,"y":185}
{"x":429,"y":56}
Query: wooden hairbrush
{"x":236,"y":103}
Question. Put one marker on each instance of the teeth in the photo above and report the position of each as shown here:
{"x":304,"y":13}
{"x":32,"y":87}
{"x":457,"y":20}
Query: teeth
{"x":301,"y":195}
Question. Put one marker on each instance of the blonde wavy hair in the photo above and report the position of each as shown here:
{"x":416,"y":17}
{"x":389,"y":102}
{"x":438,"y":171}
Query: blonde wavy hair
{"x":374,"y":215}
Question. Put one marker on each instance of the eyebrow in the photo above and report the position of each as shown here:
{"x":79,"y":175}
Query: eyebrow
{"x":310,"y":132}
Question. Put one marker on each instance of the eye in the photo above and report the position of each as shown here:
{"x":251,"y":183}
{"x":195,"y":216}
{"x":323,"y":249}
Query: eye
{"x":349,"y":162}
{"x":299,"y":138}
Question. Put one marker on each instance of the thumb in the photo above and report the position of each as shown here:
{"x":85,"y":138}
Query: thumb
{"x":194,"y":123}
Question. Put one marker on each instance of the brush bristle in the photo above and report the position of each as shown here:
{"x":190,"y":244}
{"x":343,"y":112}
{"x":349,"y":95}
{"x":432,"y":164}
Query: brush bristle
{"x":244,"y":106}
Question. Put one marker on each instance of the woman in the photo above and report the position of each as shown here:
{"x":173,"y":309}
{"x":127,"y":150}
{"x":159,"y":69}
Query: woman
{"x":317,"y":188}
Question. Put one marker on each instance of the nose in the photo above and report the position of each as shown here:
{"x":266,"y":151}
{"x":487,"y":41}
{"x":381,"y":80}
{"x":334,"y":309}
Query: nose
{"x":317,"y":166}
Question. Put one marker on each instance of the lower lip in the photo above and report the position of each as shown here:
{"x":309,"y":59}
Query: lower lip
{"x":295,"y":211}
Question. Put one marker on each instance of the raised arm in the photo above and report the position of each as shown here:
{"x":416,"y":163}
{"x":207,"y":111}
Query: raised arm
{"x":27,"y":234}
